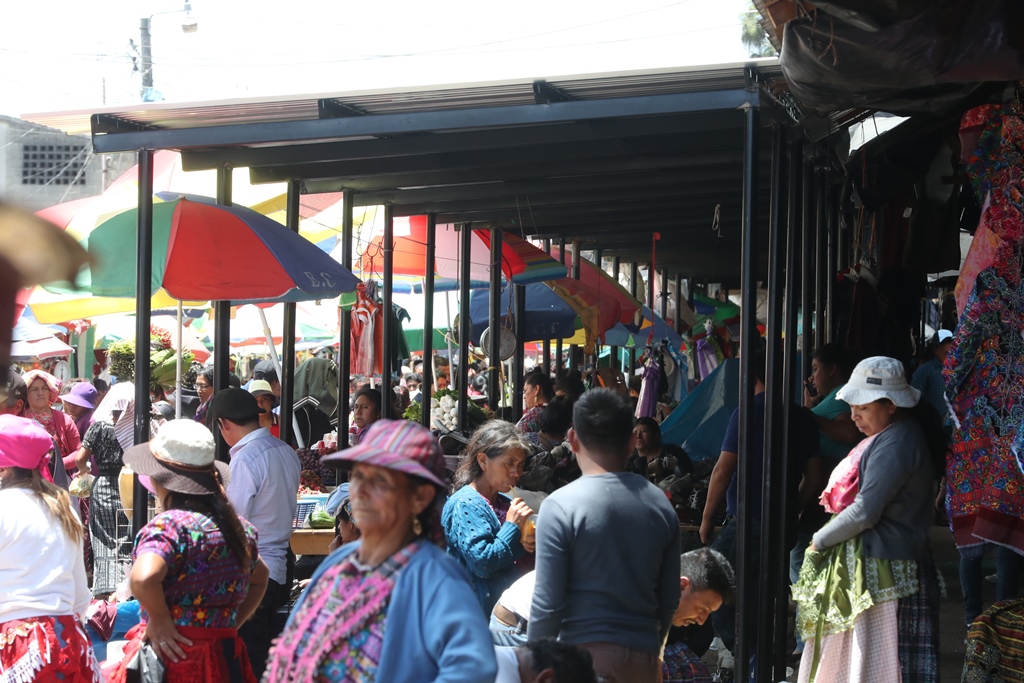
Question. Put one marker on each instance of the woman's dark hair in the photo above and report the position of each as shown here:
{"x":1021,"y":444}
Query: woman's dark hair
{"x":569,"y":662}
{"x":556,"y":418}
{"x":539,"y":378}
{"x":571,"y":385}
{"x":100,"y":385}
{"x":835,"y":354}
{"x":494,"y":438}
{"x":373,"y":395}
{"x":207,"y":374}
{"x":218,"y":508}
{"x":652,"y":425}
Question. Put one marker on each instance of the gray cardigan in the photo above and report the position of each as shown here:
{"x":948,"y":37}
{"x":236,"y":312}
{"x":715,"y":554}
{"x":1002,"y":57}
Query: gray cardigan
{"x":893,"y":509}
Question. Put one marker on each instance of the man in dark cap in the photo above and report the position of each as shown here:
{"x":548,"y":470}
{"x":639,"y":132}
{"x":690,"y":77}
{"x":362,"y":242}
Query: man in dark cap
{"x":263,"y":487}
{"x":13,"y":394}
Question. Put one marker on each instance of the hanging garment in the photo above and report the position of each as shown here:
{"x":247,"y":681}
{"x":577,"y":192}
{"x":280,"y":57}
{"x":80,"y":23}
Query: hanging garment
{"x":365,"y":329}
{"x":647,"y":403}
{"x":984,"y":370}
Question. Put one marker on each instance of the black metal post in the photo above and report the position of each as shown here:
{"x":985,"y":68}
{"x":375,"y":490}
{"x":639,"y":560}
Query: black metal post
{"x":427,"y":386}
{"x":143,"y":299}
{"x":519,"y":362}
{"x":634,"y":289}
{"x":746,"y":595}
{"x":559,"y":363}
{"x":664,"y":295}
{"x":345,"y":326}
{"x":465,"y":322}
{"x":547,"y":341}
{"x":773,"y":548}
{"x":677,"y":319}
{"x":616,"y":362}
{"x":821,"y":259}
{"x":288,"y":342}
{"x":831,"y":268}
{"x":388,"y":341}
{"x":222,"y":316}
{"x":575,"y":351}
{"x":650,"y":286}
{"x":806,"y":269}
{"x":789,"y":383}
{"x":494,"y":324}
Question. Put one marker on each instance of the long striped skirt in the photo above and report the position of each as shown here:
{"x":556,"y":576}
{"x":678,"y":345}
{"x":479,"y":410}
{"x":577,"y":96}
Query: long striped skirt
{"x":111,"y":537}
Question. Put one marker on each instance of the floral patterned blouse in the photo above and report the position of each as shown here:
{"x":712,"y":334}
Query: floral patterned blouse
{"x":205,"y":583}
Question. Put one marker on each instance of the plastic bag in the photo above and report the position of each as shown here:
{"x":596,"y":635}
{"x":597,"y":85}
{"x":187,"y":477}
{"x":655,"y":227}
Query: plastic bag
{"x":81,"y":485}
{"x":145,"y":667}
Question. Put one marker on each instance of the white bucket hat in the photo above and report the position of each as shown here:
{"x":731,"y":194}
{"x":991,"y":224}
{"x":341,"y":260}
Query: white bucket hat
{"x":876,"y":378}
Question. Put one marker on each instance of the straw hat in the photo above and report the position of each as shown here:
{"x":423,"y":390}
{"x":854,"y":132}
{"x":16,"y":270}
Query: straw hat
{"x":180,"y":458}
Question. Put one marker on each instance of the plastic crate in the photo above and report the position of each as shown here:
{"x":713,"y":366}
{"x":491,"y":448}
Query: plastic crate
{"x":302,"y":510}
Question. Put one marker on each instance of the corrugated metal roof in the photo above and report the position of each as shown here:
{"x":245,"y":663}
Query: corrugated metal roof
{"x":413,"y":99}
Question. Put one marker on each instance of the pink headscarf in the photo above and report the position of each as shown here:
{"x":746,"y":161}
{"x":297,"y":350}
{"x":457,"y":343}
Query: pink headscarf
{"x":52,"y":382}
{"x":23,"y":443}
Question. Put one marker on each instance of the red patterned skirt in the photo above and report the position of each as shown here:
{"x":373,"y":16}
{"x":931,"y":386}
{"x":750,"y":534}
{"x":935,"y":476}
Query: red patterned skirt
{"x":46,"y":650}
{"x":217,"y":655}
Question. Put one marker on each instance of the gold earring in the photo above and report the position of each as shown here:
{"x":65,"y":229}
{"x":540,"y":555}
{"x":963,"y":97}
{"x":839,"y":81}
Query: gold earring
{"x":417,"y":526}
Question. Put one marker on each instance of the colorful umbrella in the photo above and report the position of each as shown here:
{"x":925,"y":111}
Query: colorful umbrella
{"x":312,"y":323}
{"x":193,"y":240}
{"x":522,"y":263}
{"x":32,"y":340}
{"x":548,"y":316}
{"x":603,"y":287}
{"x":110,"y":329}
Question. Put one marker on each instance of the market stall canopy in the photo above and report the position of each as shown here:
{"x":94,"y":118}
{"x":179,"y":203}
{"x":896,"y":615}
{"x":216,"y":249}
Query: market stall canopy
{"x":548,"y":316}
{"x":32,"y":340}
{"x":114,"y":328}
{"x":901,"y":57}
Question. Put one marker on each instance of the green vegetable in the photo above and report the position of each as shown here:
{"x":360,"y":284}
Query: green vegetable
{"x":321,"y":519}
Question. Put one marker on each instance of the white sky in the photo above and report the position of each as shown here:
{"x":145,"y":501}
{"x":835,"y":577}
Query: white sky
{"x":69,"y":54}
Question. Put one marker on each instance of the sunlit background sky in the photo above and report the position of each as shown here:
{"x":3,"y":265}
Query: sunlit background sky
{"x":69,"y":54}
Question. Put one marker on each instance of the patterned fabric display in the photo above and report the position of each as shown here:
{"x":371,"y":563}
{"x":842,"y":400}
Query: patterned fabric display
{"x":984,"y":370}
{"x":338,"y":633}
{"x":204,"y":583}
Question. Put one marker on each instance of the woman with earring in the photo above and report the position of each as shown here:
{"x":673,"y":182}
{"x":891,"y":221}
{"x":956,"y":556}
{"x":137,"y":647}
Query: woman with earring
{"x":43,"y":589}
{"x":485,"y":530}
{"x":196,"y":571}
{"x":390,"y":607}
{"x":538,"y":390}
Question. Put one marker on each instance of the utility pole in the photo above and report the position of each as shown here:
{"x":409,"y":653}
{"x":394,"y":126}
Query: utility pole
{"x":146,"y":51}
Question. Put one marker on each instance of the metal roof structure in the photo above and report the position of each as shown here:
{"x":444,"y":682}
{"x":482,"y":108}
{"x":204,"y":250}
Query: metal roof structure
{"x":606,"y":159}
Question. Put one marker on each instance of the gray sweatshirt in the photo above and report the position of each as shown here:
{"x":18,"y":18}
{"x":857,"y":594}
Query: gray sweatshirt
{"x":607,"y":563}
{"x":893,"y":509}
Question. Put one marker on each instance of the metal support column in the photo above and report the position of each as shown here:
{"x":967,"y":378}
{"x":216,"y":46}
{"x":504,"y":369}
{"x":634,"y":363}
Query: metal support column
{"x":773,"y":550}
{"x":546,"y":350}
{"x":559,"y":363}
{"x":831,"y":268}
{"x":288,"y":342}
{"x":519,"y":360}
{"x":222,"y":317}
{"x":576,"y":351}
{"x":494,"y":324}
{"x":677,"y":319}
{"x":427,"y":385}
{"x":615,"y":362}
{"x":634,"y":289}
{"x":821,"y":258}
{"x":465,"y":322}
{"x":806,"y":269}
{"x":664,"y":295}
{"x":388,"y":340}
{"x":746,"y":605}
{"x":345,"y":326}
{"x":143,"y":297}
{"x":790,"y":382}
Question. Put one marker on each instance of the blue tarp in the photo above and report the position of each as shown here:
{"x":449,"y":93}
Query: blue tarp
{"x":698,"y":424}
{"x":547,"y":315}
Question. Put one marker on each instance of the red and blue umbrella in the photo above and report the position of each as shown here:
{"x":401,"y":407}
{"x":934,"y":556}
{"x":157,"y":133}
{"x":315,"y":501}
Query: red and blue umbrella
{"x":204,"y":251}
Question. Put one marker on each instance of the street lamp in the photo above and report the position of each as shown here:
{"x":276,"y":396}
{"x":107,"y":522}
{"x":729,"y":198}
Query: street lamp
{"x":188,"y":25}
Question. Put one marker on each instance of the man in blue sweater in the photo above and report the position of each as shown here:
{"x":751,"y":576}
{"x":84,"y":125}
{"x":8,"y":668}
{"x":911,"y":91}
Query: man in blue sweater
{"x":607,"y":551}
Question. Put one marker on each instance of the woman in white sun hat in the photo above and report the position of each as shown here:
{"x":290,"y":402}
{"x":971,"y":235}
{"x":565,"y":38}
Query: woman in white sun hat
{"x":868,"y":593}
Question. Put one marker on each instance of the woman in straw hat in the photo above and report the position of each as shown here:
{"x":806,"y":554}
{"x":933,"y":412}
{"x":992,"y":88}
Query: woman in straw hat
{"x":391,"y":607}
{"x":868,"y":592}
{"x":43,"y":589}
{"x":196,"y":572}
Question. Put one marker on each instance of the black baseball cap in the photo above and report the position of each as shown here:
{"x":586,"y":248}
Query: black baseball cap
{"x":265,"y":369}
{"x":235,"y":405}
{"x":13,"y":387}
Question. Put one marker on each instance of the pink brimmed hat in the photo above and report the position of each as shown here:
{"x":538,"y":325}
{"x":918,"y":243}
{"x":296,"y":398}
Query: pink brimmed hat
{"x":23,"y":442}
{"x":400,"y":445}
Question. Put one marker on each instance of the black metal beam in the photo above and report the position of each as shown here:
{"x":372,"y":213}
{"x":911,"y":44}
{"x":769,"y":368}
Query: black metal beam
{"x":494,"y":325}
{"x":288,"y":341}
{"x":334,"y":109}
{"x":746,"y":594}
{"x":465,"y":323}
{"x":222,"y":317}
{"x":345,"y":327}
{"x":519,"y":360}
{"x":706,"y":123}
{"x":545,"y":93}
{"x":806,"y":266}
{"x":143,"y":297}
{"x":422,"y":122}
{"x":427,"y":381}
{"x":388,"y":338}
